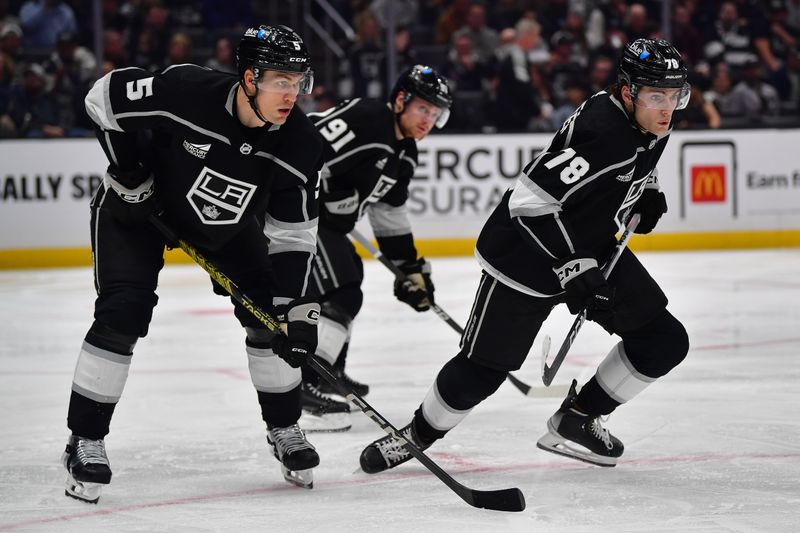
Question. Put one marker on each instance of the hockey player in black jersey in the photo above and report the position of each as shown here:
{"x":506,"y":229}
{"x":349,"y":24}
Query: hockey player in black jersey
{"x":212,"y":151}
{"x":543,"y":245}
{"x":372,"y":157}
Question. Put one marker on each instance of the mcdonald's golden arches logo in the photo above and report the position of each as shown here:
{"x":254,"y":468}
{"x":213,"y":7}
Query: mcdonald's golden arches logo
{"x":708,"y":184}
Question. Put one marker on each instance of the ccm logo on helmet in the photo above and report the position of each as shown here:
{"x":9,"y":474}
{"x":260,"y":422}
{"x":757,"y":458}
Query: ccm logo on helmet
{"x":297,"y":60}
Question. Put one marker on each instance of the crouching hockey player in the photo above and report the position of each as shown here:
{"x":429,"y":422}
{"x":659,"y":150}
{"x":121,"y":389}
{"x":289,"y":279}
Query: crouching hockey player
{"x":212,"y":151}
{"x":545,"y":244}
{"x":372,"y":157}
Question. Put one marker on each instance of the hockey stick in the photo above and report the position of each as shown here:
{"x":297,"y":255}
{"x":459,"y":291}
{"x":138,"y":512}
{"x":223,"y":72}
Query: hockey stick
{"x":497,"y":500}
{"x":399,"y":274}
{"x":549,"y":372}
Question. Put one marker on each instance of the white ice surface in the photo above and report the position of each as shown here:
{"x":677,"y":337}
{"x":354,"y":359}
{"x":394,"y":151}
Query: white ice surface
{"x":712,"y":447}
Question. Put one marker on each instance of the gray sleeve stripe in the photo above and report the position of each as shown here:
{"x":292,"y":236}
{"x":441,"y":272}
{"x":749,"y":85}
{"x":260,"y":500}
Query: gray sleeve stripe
{"x":389,"y":221}
{"x":345,"y":155}
{"x":280,"y":224}
{"x":536,"y":239}
{"x":410,"y":161}
{"x":353,"y":102}
{"x":586,"y":181}
{"x":296,"y":247}
{"x":177,"y":119}
{"x":98,"y":104}
{"x":110,"y":146}
{"x":284,"y":164}
{"x":563,"y":229}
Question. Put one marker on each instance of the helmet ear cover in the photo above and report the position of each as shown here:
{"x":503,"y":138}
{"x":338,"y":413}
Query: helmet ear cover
{"x":424,"y":82}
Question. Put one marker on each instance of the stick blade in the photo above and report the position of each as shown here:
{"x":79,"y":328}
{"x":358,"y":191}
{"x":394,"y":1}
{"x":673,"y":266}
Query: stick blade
{"x":510,"y":500}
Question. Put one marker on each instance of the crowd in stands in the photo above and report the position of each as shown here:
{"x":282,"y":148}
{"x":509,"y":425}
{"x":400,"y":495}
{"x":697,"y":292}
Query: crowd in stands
{"x":514,"y":65}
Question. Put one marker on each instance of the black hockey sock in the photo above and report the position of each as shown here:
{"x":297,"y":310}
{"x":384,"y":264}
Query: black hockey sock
{"x":594,"y":401}
{"x":88,"y":418}
{"x":280,"y":409}
{"x":310,"y":376}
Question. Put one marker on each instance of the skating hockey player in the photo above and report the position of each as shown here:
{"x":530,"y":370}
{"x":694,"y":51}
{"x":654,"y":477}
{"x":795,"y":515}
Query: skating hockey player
{"x":211,"y":150}
{"x":368,"y":168}
{"x":544,"y":245}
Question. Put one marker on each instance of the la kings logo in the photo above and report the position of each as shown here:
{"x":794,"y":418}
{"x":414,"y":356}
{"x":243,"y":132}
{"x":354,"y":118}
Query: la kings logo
{"x":634,"y":192}
{"x":218,"y":199}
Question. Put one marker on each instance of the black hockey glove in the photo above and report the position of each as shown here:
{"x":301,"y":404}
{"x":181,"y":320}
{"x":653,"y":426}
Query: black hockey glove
{"x":339,"y":210}
{"x":416,"y":289}
{"x":651,"y":206}
{"x":300,"y":318}
{"x":131,"y":198}
{"x":585,"y":287}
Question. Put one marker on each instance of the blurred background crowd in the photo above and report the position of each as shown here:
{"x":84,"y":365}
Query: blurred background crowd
{"x":514,"y":65}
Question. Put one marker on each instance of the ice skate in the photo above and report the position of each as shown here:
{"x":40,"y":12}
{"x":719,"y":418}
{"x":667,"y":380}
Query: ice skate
{"x":87,"y":468}
{"x":322,"y":413}
{"x":296,"y":455}
{"x":361,"y":389}
{"x":574,"y":434}
{"x":390,"y":451}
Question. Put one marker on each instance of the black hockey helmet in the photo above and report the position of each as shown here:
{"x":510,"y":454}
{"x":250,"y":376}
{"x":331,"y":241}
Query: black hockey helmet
{"x":274,"y":48}
{"x":654,"y":63}
{"x":424,"y":82}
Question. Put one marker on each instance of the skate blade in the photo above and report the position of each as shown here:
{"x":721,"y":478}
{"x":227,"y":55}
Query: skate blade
{"x":552,"y":443}
{"x":301,"y":478}
{"x":330,"y":423}
{"x":83,"y":491}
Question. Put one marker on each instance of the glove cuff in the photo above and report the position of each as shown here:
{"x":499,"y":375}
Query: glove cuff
{"x":135,"y":195}
{"x":572,"y":268}
{"x":418,"y":266}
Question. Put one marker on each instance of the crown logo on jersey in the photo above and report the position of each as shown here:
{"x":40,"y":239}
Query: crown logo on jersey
{"x":245,"y":148}
{"x":211,"y":212}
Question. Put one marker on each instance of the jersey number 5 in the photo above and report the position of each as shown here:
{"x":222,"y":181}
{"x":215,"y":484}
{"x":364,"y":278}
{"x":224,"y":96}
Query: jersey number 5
{"x":337,"y":133}
{"x":577,"y":168}
{"x":138,"y":89}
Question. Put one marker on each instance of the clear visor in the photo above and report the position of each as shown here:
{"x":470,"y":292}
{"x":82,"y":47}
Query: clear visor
{"x":278,"y":81}
{"x":664,"y":99}
{"x":424,"y":109}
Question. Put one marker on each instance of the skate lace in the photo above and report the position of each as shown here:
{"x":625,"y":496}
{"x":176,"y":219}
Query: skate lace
{"x":316,"y":393}
{"x":91,"y":451}
{"x":291,"y":439}
{"x":601,"y":433}
{"x":392,"y":449}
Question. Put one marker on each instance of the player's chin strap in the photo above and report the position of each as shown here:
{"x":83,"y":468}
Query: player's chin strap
{"x":252,"y":99}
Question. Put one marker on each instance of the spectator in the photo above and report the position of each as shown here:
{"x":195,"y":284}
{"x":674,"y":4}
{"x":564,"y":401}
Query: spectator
{"x":730,"y":39}
{"x":43,"y":20}
{"x":365,"y":59}
{"x":784,"y":44}
{"x":563,"y":66}
{"x":179,"y":50}
{"x":698,"y":114}
{"x":720,"y":92}
{"x":32,"y":111}
{"x":484,"y":39}
{"x":515,"y":103}
{"x":404,"y":53}
{"x":72,"y":69}
{"x":464,"y":68}
{"x":114,"y":49}
{"x":752,"y":97}
{"x":685,"y":36}
{"x":601,"y":73}
{"x":114,"y":18}
{"x":224,"y":58}
{"x":450,"y":21}
{"x":10,"y":46}
{"x":145,"y":56}
{"x":637,"y":26}
{"x":576,"y":92}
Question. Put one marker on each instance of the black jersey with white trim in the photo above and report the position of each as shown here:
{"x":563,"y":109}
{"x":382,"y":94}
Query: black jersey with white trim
{"x":367,"y":163}
{"x":571,"y":197}
{"x":213,"y":174}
